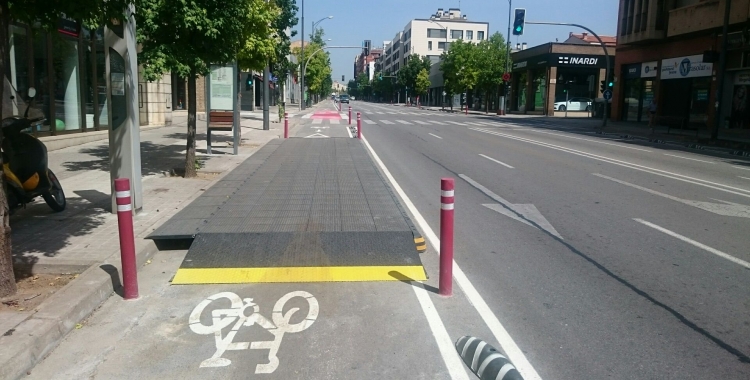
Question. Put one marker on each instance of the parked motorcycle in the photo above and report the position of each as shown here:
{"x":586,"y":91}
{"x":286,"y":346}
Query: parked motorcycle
{"x":25,"y":157}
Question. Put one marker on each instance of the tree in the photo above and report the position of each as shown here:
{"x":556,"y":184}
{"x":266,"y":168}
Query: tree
{"x":318,"y":70}
{"x":491,"y":66}
{"x":186,"y":37}
{"x":407,"y":76}
{"x":351,"y":88}
{"x":422,"y":84}
{"x":281,"y":67}
{"x":47,"y":14}
{"x":460,"y":67}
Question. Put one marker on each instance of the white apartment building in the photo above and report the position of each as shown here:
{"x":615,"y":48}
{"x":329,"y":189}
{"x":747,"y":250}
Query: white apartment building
{"x":431,"y":37}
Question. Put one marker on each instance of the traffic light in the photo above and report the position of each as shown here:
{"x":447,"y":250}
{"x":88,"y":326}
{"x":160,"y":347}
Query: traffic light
{"x":342,"y":78}
{"x":249,"y":82}
{"x":380,"y":76}
{"x":520,"y":21}
{"x":603,"y":86}
{"x":366,"y":47}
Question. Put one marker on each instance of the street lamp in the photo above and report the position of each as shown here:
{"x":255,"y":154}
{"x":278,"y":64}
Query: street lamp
{"x":302,"y":48}
{"x":318,"y":22}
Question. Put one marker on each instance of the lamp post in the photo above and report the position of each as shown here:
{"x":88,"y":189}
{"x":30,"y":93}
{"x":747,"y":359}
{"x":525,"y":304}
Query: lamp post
{"x":302,"y":80}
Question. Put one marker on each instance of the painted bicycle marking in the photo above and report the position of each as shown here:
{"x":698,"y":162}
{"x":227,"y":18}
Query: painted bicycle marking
{"x":237,"y":317}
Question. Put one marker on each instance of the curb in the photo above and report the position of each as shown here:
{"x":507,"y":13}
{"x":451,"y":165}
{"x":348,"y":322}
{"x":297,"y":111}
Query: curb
{"x":689,"y":145}
{"x":31,"y":340}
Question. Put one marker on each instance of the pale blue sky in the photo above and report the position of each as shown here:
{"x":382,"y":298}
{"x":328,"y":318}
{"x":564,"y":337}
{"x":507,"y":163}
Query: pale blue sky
{"x":379,"y":20}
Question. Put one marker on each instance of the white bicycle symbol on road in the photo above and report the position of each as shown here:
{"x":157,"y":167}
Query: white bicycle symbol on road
{"x":236,"y":315}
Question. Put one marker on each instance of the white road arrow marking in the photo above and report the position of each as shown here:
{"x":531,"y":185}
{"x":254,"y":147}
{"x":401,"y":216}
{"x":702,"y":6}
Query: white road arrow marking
{"x":316,"y":136}
{"x":724,"y":208}
{"x":525,"y":213}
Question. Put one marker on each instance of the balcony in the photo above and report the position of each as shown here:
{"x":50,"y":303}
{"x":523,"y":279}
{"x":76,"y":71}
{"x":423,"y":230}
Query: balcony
{"x":707,"y":14}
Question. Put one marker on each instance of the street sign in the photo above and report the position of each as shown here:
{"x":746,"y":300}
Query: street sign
{"x":607,"y":94}
{"x":506,"y":77}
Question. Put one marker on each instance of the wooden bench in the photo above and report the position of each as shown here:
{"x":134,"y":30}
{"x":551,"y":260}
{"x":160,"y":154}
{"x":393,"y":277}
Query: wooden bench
{"x":220,"y":120}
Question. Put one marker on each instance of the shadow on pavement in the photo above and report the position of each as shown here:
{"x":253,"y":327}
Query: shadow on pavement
{"x":408,"y":280}
{"x":114,"y":274}
{"x":155,"y":158}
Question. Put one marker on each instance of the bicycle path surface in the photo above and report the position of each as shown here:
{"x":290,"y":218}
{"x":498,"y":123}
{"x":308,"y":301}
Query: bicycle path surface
{"x":231,"y":306}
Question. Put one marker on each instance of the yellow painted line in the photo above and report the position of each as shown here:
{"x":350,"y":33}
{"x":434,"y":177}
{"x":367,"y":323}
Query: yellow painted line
{"x":419,"y":240}
{"x":297,"y":274}
{"x":422,"y":248}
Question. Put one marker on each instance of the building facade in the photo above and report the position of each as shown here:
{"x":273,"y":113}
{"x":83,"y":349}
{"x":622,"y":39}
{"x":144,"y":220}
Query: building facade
{"x":366,"y":64}
{"x":668,"y":52}
{"x":554,"y":72}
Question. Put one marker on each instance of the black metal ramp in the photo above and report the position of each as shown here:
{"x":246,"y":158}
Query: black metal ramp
{"x":313,"y":210}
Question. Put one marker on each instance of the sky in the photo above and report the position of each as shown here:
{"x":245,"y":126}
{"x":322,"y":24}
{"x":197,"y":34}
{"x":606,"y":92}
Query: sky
{"x":379,"y":20}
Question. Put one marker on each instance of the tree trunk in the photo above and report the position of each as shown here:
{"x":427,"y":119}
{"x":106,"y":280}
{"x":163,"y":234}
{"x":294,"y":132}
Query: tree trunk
{"x":7,"y":277}
{"x":486,"y":102}
{"x":190,"y":169}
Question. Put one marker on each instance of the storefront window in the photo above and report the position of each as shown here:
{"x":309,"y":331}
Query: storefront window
{"x":632,"y":99}
{"x":67,"y":81}
{"x":522,"y":92}
{"x":18,"y":63}
{"x":87,"y":78}
{"x":699,"y":100}
{"x":101,"y":79}
{"x":540,"y":89}
{"x":41,"y":77}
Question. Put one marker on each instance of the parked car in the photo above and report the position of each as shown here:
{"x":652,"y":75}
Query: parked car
{"x":344,"y":99}
{"x":352,"y":98}
{"x":574,"y":104}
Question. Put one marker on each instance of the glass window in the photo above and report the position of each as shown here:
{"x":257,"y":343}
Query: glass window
{"x":67,"y":80}
{"x":19,"y":65}
{"x":101,"y":79}
{"x":436,"y":33}
{"x":41,"y":77}
{"x":429,"y":45}
{"x":480,"y":35}
{"x":443,"y":46}
{"x":469,"y":34}
{"x":457,"y":34}
{"x":632,"y":99}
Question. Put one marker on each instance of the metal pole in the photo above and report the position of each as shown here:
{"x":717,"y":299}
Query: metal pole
{"x":237,"y":131}
{"x":266,"y":99}
{"x":722,"y":72}
{"x":302,"y":62}
{"x":446,"y":236}
{"x":127,"y":238}
{"x":606,"y":55}
{"x":507,"y":61}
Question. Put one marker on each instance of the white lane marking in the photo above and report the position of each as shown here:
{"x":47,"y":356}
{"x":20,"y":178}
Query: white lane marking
{"x":307,"y":116}
{"x":316,"y":136}
{"x":688,"y":158}
{"x":421,"y":122}
{"x":378,"y":112}
{"x":455,"y":122}
{"x":594,"y":141}
{"x":695,"y":243}
{"x":740,"y":167}
{"x":317,"y":121}
{"x":663,"y":173}
{"x":368,"y":121}
{"x":386,"y":122}
{"x":742,"y":177}
{"x":490,"y":319}
{"x":237,"y":317}
{"x":499,"y":162}
{"x":724,"y":208}
{"x":434,"y":135}
{"x":349,"y":131}
{"x":474,"y":124}
{"x":404,"y":122}
{"x":437,"y":122}
{"x":391,"y":113}
{"x":335,"y":121}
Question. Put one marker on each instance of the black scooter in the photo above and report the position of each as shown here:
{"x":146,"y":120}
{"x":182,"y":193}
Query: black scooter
{"x":25,"y":163}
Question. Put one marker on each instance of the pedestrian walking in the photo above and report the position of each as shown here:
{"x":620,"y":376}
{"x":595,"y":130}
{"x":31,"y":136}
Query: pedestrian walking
{"x":652,"y":113}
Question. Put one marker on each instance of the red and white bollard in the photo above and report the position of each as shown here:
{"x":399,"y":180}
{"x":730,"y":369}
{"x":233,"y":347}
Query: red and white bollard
{"x":286,"y":125}
{"x":446,"y":237}
{"x":359,"y":125}
{"x":350,"y":115}
{"x":127,"y":238}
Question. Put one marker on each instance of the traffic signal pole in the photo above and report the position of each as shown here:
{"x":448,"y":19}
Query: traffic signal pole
{"x":606,"y":55}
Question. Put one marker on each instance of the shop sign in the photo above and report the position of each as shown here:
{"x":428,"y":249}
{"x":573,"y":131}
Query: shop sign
{"x":67,"y":25}
{"x":568,"y":60}
{"x":632,"y":71}
{"x":220,"y":89}
{"x":685,"y":67}
{"x":742,"y":78}
{"x":648,"y":69}
{"x":520,"y":65}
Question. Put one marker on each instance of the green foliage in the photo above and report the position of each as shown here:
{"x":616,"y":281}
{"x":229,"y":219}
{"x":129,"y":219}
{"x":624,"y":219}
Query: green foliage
{"x":351,"y":88}
{"x":93,"y":13}
{"x":407,"y":76}
{"x":422,"y":84}
{"x":460,"y":67}
{"x":382,"y":87}
{"x":491,"y":62}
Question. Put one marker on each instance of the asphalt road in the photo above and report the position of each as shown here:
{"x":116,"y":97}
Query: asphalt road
{"x":642,"y":270}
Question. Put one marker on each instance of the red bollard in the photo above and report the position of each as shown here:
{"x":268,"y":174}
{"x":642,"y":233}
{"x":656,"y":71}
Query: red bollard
{"x":286,"y":125}
{"x":359,"y":125}
{"x":446,"y":236}
{"x":350,"y":115}
{"x":127,"y":239}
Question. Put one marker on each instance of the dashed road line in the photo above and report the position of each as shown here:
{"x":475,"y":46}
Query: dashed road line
{"x":368,"y":121}
{"x":434,"y":135}
{"x":403,"y":122}
{"x":498,"y":161}
{"x":421,"y":122}
{"x":386,"y":122}
{"x":695,"y":243}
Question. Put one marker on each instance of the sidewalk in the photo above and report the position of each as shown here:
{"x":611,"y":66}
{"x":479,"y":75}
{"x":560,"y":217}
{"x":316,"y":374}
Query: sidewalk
{"x":82,"y":243}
